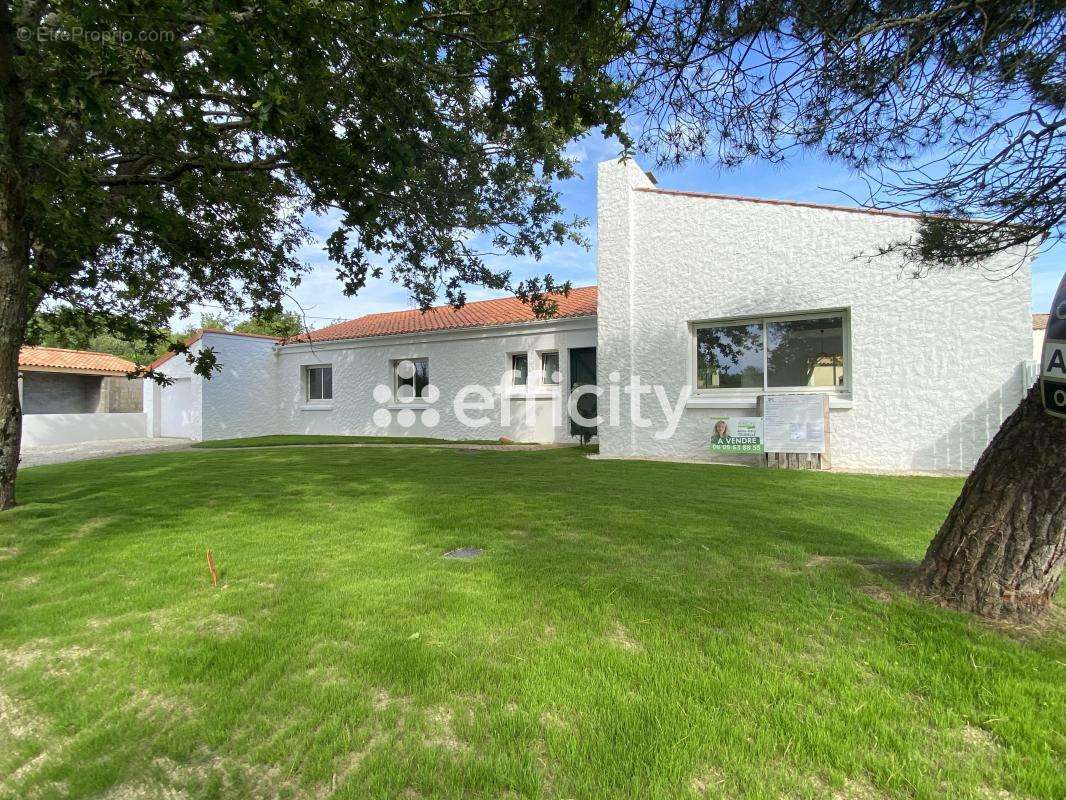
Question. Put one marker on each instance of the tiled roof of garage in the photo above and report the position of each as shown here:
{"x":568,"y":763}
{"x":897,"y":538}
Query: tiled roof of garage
{"x":82,"y":360}
{"x":1040,"y":322}
{"x":581,"y":302}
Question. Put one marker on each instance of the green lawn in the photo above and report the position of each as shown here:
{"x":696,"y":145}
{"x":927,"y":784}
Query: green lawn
{"x":281,"y":440}
{"x":633,"y":630}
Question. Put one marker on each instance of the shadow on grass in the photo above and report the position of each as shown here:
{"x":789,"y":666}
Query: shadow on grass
{"x":669,"y":614}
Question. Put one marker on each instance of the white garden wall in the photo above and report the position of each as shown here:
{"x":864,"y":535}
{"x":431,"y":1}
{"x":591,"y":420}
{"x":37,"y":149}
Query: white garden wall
{"x":39,"y":430}
{"x":936,"y":362}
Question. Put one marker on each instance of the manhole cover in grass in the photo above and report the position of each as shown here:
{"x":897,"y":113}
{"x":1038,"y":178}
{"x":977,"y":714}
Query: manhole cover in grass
{"x":464,"y":552}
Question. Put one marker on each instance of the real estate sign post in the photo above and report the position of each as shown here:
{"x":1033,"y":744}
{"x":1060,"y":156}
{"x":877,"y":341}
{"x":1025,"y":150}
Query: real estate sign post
{"x":1053,"y":358}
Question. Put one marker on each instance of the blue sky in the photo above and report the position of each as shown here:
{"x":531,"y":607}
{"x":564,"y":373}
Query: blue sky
{"x":803,"y":178}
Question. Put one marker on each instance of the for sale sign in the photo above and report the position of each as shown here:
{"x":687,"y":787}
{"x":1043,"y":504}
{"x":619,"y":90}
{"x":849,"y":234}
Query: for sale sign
{"x":737,"y":435}
{"x":1053,"y":359}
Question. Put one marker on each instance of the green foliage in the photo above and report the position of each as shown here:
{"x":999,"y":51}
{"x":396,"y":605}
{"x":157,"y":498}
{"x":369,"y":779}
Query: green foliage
{"x":80,"y":331}
{"x":213,"y":322}
{"x":173,"y":163}
{"x":954,"y":108}
{"x":282,"y":324}
{"x":76,"y":330}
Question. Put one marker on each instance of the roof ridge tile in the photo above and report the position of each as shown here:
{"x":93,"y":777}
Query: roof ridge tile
{"x":491,"y":312}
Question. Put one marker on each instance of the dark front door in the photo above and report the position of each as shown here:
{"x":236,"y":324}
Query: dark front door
{"x":583,"y":373}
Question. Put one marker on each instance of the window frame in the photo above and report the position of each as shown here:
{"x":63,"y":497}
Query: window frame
{"x":763,"y":321}
{"x":545,"y":378}
{"x":307,"y":370}
{"x":514,"y":372}
{"x":416,"y":399}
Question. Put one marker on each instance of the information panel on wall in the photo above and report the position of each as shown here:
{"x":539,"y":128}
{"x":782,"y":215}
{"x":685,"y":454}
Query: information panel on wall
{"x":794,"y":423}
{"x":737,"y":435}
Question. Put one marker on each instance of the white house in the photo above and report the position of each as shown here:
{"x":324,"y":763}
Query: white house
{"x":928,"y":369}
{"x":343,"y":379}
{"x":706,"y":301}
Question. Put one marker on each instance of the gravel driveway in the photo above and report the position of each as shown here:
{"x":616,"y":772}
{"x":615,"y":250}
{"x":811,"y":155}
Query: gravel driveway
{"x":57,"y":454}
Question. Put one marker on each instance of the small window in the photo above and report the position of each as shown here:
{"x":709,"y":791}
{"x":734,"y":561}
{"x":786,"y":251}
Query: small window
{"x":519,"y":369}
{"x":320,"y":383}
{"x":549,"y":369}
{"x":412,"y":378}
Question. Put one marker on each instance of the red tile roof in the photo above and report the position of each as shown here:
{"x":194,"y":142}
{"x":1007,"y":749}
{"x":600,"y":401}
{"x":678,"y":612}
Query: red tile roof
{"x":62,"y":359}
{"x":581,"y":302}
{"x":1040,"y":322}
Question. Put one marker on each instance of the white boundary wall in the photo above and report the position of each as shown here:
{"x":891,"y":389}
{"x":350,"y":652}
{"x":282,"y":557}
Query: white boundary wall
{"x":40,"y":430}
{"x":936,"y":361}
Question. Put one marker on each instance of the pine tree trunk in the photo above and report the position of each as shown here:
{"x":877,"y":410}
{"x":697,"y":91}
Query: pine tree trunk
{"x":1001,"y":550}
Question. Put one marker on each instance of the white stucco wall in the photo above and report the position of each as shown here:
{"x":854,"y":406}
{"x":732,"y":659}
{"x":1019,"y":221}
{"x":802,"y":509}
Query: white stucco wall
{"x":176,"y":367}
{"x":242,"y":395}
{"x":52,"y":429}
{"x":936,"y":362}
{"x":239,"y":400}
{"x":456,"y":359}
{"x":260,"y":388}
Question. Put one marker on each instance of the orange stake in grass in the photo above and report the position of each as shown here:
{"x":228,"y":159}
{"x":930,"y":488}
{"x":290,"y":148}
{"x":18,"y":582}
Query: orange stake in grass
{"x":211,"y":567}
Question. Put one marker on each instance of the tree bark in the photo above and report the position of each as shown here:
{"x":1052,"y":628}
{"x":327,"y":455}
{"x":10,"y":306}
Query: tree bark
{"x":14,"y":254}
{"x":11,"y":335}
{"x":1001,"y":550}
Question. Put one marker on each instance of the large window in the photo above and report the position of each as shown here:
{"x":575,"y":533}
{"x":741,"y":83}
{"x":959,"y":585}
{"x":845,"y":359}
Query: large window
{"x":319,"y":383}
{"x":801,"y":352}
{"x":412,"y":378}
